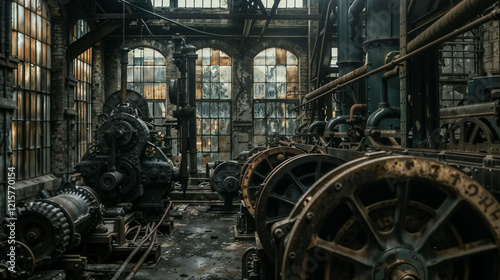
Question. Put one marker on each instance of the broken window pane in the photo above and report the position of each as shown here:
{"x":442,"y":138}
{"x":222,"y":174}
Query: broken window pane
{"x":259,"y":90}
{"x":225,"y":91}
{"x":215,"y":90}
{"x":224,"y":110}
{"x":270,"y":91}
{"x":214,"y":110}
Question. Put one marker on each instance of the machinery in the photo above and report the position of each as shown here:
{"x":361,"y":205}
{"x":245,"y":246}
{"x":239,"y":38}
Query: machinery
{"x":126,"y":163}
{"x":390,"y":182}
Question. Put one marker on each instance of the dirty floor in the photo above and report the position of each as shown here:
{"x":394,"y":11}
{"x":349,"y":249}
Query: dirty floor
{"x":202,"y":246}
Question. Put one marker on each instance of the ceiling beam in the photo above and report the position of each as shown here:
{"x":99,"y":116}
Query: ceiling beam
{"x":119,"y":16}
{"x":91,"y":38}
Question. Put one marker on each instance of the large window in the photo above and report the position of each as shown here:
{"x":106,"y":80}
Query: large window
{"x":146,"y":74}
{"x":31,"y":122}
{"x":82,"y":70}
{"x":458,"y":59}
{"x":284,"y":3}
{"x":213,"y":106}
{"x":275,"y":93}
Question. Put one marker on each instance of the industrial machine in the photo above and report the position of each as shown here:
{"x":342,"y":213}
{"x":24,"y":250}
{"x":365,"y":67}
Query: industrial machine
{"x":389,"y":181}
{"x":126,"y":163}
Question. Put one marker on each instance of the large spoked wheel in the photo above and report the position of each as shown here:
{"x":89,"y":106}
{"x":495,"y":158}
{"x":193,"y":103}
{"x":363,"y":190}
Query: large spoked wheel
{"x":258,"y":169}
{"x":396,"y":218}
{"x":469,"y":134}
{"x":283,"y":187}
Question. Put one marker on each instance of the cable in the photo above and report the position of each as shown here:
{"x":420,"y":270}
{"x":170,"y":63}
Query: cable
{"x":175,"y":22}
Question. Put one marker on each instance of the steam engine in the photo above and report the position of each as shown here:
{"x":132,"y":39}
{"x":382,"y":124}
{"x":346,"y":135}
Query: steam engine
{"x":126,"y":164}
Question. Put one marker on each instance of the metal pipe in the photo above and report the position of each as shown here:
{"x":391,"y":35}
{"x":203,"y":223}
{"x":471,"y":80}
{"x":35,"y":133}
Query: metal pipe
{"x":355,"y":10}
{"x":361,"y":107}
{"x":143,"y":258}
{"x":317,"y":93}
{"x":383,"y":112}
{"x":334,"y":84}
{"x":316,"y":125}
{"x":124,"y":62}
{"x":330,"y":126}
{"x":450,"y":115}
{"x":191,"y":57}
{"x":139,"y":246}
{"x":462,"y":12}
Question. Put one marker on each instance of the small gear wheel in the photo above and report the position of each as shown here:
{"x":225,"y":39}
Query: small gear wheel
{"x":24,"y":261}
{"x":45,"y":229}
{"x":150,"y":151}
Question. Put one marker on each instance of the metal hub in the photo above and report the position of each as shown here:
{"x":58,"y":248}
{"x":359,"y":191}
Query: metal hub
{"x":400,"y":264}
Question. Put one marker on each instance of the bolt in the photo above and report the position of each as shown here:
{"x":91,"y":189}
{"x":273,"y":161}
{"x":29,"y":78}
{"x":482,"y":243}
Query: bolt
{"x":278,"y":233}
{"x":309,"y":216}
{"x":292,"y":256}
{"x":338,"y":186}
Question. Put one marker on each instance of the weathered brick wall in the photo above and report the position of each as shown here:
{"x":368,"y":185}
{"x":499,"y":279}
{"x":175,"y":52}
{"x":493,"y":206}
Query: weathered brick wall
{"x":98,"y":83}
{"x":62,"y":96}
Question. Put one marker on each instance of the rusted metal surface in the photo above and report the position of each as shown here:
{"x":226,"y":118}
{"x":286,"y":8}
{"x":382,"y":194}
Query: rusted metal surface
{"x":470,"y":134}
{"x":396,"y":216}
{"x":259,"y":168}
{"x":283,"y":187}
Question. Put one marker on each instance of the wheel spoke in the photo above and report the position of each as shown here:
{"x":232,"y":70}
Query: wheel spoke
{"x":363,"y":218}
{"x":297,"y":182}
{"x":473,"y":135}
{"x":442,"y":215}
{"x":451,"y":135}
{"x":402,"y":196}
{"x":283,"y":199}
{"x":462,"y":133}
{"x":352,"y":256}
{"x":272,"y":220}
{"x":461,"y":252}
{"x":259,"y":174}
{"x":271,"y":166}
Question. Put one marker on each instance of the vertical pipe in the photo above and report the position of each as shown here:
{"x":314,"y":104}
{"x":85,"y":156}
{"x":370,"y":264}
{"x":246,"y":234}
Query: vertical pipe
{"x":124,"y":63}
{"x":191,"y":92}
{"x":350,"y":54}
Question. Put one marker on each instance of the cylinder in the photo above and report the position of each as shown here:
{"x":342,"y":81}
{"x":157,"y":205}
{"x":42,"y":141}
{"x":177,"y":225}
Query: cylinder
{"x":111,"y":180}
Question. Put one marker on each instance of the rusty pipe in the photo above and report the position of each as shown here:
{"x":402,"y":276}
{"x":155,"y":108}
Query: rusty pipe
{"x":361,"y":107}
{"x":143,"y":258}
{"x":347,"y":77}
{"x":124,"y":62}
{"x":139,"y":246}
{"x":491,"y":16}
{"x":462,"y":12}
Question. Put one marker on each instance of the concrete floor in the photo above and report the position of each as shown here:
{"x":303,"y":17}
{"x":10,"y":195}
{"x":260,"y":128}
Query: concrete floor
{"x":202,"y":246}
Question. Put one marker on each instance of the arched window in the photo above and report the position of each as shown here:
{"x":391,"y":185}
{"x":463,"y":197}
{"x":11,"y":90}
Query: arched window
{"x":82,"y":70}
{"x":31,"y":42}
{"x":275,"y":93}
{"x":213,"y":106}
{"x":146,"y":74}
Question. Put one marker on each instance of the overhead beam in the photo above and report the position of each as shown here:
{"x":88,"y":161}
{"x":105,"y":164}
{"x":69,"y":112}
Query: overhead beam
{"x":273,"y":12}
{"x":91,"y":38}
{"x":119,"y":16}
